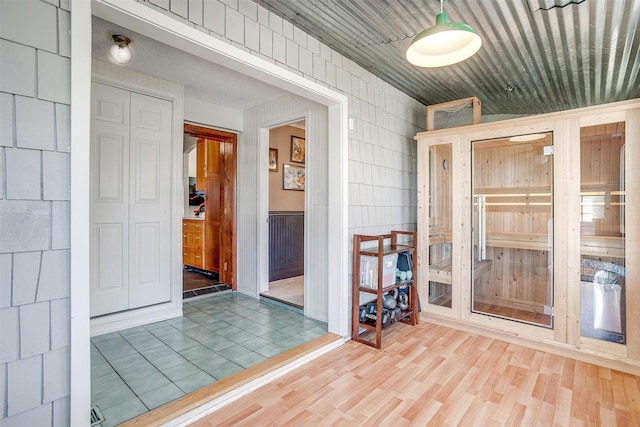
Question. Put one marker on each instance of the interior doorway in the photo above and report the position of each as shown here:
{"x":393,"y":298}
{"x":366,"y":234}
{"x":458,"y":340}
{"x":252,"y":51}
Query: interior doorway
{"x":287,"y":183}
{"x":209,"y":243}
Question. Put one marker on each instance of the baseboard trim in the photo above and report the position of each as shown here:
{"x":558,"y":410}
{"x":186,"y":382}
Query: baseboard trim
{"x":132,"y":318}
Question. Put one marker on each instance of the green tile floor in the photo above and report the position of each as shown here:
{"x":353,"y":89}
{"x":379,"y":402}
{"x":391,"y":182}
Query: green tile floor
{"x":138,"y":369}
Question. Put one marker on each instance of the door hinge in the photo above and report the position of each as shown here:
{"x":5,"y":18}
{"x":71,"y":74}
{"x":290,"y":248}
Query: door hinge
{"x":225,"y":266}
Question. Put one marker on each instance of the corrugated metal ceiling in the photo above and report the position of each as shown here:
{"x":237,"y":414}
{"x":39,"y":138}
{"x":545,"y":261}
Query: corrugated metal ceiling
{"x":577,"y":53}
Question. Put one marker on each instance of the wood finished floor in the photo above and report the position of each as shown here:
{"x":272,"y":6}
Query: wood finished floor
{"x":290,"y":291}
{"x":437,"y":376}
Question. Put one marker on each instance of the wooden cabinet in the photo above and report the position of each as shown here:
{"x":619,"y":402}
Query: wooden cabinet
{"x":375,"y":281}
{"x":216,"y":175}
{"x":193,"y":243}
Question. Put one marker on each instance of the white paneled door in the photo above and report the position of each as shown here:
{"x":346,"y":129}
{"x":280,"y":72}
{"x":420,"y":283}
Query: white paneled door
{"x":130,"y":200}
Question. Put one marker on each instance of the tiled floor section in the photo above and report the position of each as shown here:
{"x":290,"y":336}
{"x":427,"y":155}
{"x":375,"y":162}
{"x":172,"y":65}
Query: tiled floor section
{"x":138,"y":369}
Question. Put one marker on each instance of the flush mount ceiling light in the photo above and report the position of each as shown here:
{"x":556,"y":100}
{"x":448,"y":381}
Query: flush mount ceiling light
{"x":120,"y":51}
{"x":443,"y":44}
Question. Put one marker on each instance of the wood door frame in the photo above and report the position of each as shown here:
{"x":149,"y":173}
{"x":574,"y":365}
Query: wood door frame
{"x":228,"y":228}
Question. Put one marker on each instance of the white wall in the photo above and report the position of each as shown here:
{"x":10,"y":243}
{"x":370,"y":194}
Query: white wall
{"x":34,"y":172}
{"x":212,"y":115}
{"x":252,"y":211}
{"x":34,"y":213}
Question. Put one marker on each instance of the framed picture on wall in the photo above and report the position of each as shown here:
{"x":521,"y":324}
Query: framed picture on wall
{"x":293,"y":177}
{"x":297,"y":149}
{"x":273,"y":160}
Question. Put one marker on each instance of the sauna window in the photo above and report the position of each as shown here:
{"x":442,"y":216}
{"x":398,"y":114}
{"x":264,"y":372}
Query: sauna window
{"x":440,"y":208}
{"x":512,"y":230}
{"x":602,"y":245}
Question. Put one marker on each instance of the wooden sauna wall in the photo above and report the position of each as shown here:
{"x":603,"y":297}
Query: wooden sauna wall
{"x":600,"y":172}
{"x":440,"y":181}
{"x":517,"y":224}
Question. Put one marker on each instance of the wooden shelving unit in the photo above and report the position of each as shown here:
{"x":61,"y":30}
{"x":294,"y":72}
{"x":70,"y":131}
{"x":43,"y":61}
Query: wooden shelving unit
{"x":387,"y":244}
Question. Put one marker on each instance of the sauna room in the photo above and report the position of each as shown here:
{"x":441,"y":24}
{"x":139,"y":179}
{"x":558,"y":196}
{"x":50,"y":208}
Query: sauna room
{"x":523,"y":228}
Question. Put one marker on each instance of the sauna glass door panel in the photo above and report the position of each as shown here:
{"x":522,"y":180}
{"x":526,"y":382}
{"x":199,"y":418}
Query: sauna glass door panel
{"x":512,"y":182}
{"x":440,"y":209}
{"x":602,"y":232}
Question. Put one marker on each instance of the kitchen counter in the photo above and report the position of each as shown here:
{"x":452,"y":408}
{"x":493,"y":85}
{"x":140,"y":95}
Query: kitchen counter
{"x":193,"y":216}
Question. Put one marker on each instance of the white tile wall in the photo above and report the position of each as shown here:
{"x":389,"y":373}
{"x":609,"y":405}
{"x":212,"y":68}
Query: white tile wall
{"x":60,"y":323}
{"x":3,"y":392}
{"x":19,"y":19}
{"x":54,"y":276}
{"x":35,"y":124}
{"x":292,"y":54}
{"x":24,"y":226}
{"x":24,"y":385}
{"x":9,"y":319}
{"x":56,"y":374}
{"x":214,"y":16}
{"x":248,"y":8}
{"x":64,"y":28}
{"x":54,"y":77}
{"x":164,"y":4}
{"x":5,"y":280}
{"x":180,"y":7}
{"x":266,"y":40}
{"x":63,"y":128}
{"x":6,"y":117}
{"x":26,"y":268}
{"x":195,"y":11}
{"x":287,"y":30}
{"x":23,"y":174}
{"x":56,"y":169}
{"x":252,"y":34}
{"x":37,"y":137}
{"x":279,"y":48}
{"x":263,"y":16}
{"x":231,"y":3}
{"x":35,"y":46}
{"x":2,"y":173}
{"x":275,"y":23}
{"x":61,"y":412}
{"x":40,"y":416}
{"x":34,"y":329}
{"x":17,"y":67}
{"x":234,"y":26}
{"x":305,"y":59}
{"x":60,"y":229}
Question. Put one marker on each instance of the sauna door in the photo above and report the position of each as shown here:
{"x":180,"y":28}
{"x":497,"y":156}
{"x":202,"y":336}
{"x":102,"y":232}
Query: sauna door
{"x":512,"y":181}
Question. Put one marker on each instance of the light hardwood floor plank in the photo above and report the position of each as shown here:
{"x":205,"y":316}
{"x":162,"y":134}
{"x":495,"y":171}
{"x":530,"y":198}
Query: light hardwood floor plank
{"x":433,"y":375}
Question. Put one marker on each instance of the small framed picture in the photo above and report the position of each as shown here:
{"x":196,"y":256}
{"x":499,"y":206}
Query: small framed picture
{"x":293,"y":177}
{"x":273,"y":160}
{"x":297,"y":149}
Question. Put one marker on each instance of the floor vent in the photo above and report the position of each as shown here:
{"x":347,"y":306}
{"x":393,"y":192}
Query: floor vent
{"x":96,"y":416}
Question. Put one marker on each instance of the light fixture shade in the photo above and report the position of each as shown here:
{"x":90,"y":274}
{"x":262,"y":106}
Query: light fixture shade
{"x":120,"y":51}
{"x":443,"y":44}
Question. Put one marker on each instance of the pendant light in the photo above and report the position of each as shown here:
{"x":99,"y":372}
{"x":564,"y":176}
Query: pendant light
{"x":443,"y":44}
{"x":120,"y":51}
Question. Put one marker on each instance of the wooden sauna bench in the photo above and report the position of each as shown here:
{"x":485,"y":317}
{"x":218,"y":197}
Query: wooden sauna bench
{"x":441,"y":272}
{"x":589,"y":245}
